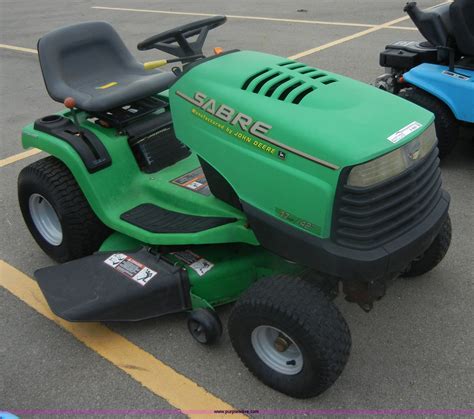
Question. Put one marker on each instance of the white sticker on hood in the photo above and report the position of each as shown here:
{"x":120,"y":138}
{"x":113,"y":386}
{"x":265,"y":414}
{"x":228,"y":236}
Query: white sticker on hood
{"x":402,"y":133}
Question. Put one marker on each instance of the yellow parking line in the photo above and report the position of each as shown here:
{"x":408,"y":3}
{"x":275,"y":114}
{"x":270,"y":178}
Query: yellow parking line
{"x":355,"y":35}
{"x":159,"y":378}
{"x":272,"y":19}
{"x":405,"y":28}
{"x":19,"y":156}
{"x":333,"y":43}
{"x":14,"y":48}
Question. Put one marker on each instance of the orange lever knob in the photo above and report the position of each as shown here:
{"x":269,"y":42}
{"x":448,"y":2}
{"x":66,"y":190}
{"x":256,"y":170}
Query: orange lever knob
{"x":69,"y":103}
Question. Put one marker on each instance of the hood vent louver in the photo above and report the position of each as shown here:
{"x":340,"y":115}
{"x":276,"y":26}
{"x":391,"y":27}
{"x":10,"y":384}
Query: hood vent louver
{"x":252,"y":78}
{"x":276,"y":85}
{"x":289,"y":89}
{"x":266,"y":79}
{"x":306,"y":70}
{"x":288,"y":81}
{"x":296,"y":66}
{"x":302,"y":94}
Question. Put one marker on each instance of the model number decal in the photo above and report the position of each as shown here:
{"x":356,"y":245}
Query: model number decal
{"x":297,"y":221}
{"x":402,"y":133}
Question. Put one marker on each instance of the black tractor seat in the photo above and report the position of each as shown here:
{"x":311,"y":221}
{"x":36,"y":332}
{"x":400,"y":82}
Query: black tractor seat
{"x":90,"y":63}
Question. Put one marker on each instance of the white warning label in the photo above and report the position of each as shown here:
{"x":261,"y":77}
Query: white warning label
{"x":201,"y":267}
{"x":197,"y":263}
{"x":402,"y":133}
{"x":131,"y":268}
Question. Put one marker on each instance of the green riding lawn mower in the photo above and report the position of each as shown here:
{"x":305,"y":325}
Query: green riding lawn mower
{"x":238,"y":177}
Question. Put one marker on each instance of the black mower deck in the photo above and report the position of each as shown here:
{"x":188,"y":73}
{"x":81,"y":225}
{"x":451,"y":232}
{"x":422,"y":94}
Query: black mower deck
{"x":115,"y":286}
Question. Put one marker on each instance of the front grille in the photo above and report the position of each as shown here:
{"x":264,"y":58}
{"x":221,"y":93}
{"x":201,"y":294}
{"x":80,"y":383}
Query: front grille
{"x":365,"y":218}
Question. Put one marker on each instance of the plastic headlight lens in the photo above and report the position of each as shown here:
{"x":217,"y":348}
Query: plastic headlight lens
{"x":395,"y":162}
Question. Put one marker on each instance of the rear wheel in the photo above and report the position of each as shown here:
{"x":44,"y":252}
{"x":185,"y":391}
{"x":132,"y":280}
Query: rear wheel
{"x":433,"y":255}
{"x":290,"y":336}
{"x":447,"y":127}
{"x":56,"y":211}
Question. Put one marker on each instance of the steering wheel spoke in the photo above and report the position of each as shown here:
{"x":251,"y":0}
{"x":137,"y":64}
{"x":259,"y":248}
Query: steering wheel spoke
{"x":186,"y":46}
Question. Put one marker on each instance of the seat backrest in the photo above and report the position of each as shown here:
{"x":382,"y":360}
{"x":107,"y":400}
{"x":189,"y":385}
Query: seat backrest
{"x":462,"y":17}
{"x":434,"y":25}
{"x":71,"y":55}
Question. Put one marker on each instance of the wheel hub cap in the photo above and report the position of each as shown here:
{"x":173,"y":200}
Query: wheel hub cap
{"x":281,"y":344}
{"x":45,"y":219}
{"x":277,"y":350}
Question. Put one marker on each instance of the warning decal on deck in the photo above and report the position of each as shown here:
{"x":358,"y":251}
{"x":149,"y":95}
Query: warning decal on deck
{"x":194,"y":181}
{"x":198,"y":264}
{"x":131,"y":268}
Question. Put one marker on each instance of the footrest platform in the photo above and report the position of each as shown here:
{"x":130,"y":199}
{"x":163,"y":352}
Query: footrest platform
{"x":159,"y":220}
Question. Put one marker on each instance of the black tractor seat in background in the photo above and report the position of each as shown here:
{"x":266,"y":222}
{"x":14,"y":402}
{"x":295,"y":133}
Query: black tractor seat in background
{"x":447,"y":25}
{"x":435,"y":25}
{"x":462,"y":16}
{"x":90,"y":63}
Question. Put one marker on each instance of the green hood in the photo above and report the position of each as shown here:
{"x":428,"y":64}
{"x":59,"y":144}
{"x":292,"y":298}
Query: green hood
{"x":327,"y":116}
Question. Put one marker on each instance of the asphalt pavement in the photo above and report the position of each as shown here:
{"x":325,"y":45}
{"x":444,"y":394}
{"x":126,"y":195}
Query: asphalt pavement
{"x":415,"y":350}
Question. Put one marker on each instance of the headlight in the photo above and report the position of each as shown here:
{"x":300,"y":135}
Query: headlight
{"x":395,"y":162}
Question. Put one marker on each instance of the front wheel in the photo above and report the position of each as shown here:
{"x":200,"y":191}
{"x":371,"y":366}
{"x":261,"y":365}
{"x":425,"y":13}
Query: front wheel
{"x":56,"y":211}
{"x":434,"y":254}
{"x":290,"y":336}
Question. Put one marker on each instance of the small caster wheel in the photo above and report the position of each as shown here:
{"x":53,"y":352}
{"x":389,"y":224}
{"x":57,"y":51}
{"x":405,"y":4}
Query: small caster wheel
{"x":205,"y":326}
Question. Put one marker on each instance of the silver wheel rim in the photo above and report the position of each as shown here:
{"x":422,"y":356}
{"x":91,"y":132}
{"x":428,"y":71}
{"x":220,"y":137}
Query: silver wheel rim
{"x":277,"y":350}
{"x":45,"y":219}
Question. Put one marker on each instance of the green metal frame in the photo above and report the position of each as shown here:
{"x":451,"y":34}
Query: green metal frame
{"x":122,"y":186}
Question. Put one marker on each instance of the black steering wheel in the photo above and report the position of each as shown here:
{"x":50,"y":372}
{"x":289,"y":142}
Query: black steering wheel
{"x":176,"y":41}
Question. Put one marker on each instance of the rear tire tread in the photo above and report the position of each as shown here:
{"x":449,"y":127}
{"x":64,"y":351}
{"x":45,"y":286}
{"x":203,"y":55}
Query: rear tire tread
{"x":83,"y":232}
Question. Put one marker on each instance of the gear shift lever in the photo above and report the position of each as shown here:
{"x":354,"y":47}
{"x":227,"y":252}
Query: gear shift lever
{"x":70,"y":103}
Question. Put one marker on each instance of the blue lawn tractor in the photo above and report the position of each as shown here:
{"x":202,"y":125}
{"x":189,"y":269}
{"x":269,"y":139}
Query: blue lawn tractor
{"x":437,"y":74}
